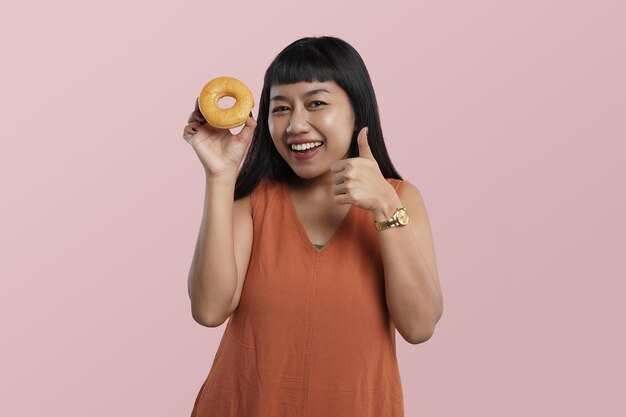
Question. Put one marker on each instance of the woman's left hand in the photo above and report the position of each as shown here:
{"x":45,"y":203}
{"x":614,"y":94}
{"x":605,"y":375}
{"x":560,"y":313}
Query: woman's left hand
{"x":358,"y":181}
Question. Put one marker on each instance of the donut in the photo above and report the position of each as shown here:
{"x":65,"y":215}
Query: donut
{"x":233,"y":116}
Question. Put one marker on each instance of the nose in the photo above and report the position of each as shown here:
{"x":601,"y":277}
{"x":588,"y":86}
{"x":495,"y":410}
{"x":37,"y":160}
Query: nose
{"x":298,"y":123}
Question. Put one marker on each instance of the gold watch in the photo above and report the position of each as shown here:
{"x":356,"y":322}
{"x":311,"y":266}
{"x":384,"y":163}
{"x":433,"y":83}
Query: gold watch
{"x":400,"y":218}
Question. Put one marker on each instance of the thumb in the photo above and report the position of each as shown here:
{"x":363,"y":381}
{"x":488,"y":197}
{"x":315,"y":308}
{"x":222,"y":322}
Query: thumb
{"x":246,"y":133}
{"x":364,"y":147}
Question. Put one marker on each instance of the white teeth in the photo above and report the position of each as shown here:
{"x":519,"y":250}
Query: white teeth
{"x":301,"y":147}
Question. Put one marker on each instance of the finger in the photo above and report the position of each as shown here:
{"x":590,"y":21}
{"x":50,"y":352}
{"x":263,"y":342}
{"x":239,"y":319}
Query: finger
{"x":196,"y":124}
{"x":210,"y":129}
{"x":187,"y":135}
{"x":196,"y":117}
{"x":248,"y":129}
{"x":197,"y":112}
{"x":190,"y":128}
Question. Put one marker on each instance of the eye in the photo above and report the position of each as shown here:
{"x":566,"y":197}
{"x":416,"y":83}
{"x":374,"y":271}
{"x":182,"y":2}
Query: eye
{"x":278,"y":109}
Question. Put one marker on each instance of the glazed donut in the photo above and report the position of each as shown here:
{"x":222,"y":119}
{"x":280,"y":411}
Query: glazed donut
{"x":233,"y":116}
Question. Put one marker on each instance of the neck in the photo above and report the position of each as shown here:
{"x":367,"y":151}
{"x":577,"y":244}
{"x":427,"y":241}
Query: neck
{"x":322,"y":184}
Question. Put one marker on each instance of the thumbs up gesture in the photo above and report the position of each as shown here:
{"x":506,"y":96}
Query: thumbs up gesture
{"x":358,"y":181}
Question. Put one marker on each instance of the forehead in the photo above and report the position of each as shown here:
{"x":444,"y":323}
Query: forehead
{"x":302,"y":89}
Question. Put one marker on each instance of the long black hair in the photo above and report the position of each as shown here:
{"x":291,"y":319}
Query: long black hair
{"x":324,"y":58}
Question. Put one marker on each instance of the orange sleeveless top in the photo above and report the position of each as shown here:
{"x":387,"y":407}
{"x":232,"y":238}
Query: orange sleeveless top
{"x":312,"y":336}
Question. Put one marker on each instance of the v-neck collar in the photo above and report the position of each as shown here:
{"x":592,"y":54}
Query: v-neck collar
{"x":302,"y":231}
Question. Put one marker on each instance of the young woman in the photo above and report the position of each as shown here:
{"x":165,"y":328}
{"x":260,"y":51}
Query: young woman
{"x":307,"y":250}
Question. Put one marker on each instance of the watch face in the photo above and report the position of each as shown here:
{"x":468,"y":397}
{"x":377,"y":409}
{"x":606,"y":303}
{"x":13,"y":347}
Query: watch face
{"x":403,"y":217}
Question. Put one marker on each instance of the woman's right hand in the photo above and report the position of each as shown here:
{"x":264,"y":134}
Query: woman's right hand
{"x":219,"y":150}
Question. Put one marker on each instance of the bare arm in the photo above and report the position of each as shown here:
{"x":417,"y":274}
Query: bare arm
{"x":212,"y":277}
{"x":412,"y":287}
{"x":224,"y":244}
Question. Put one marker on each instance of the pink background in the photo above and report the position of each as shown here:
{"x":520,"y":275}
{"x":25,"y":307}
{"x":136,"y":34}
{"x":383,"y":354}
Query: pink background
{"x":507,"y":115}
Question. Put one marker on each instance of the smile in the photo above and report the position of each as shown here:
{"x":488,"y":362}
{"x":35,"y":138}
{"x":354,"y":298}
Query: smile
{"x":306,"y":153}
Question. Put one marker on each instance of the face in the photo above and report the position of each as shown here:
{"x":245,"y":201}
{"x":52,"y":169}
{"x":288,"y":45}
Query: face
{"x":311,"y":112}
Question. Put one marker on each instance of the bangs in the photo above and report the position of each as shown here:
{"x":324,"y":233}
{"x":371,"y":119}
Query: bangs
{"x":300,"y":64}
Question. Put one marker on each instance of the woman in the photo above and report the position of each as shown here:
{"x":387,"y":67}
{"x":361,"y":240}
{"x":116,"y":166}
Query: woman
{"x":327,"y":280}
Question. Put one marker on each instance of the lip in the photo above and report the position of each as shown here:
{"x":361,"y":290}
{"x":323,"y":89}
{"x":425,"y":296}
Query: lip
{"x":308,"y":155}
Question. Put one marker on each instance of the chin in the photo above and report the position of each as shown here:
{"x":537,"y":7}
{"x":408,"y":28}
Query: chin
{"x":307,"y":174}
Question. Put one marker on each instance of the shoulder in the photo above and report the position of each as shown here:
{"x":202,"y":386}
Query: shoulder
{"x":401,"y":186}
{"x":410,"y":195}
{"x":262,"y":193}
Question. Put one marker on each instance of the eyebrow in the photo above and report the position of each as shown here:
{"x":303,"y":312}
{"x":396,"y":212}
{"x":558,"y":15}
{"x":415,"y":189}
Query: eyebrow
{"x":310,"y":93}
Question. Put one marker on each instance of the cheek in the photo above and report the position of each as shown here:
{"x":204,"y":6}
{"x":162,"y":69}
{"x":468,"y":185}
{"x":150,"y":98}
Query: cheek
{"x":330,"y":120}
{"x":336,"y":148}
{"x":271,"y":126}
{"x":340,"y":123}
{"x":338,"y":132}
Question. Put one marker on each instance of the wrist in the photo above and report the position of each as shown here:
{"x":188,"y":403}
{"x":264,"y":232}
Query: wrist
{"x":223,"y":179}
{"x":386,"y":207}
